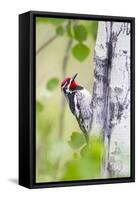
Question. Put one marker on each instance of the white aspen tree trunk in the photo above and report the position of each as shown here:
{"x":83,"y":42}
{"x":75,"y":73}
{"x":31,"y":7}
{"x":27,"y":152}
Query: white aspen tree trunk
{"x":111,"y":94}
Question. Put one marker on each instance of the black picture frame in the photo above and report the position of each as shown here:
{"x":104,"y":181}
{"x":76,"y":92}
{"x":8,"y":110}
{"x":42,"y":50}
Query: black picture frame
{"x":27,"y":99}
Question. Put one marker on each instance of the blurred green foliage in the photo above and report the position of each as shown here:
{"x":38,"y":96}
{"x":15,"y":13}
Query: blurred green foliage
{"x":76,"y":140}
{"x":69,"y":157}
{"x":54,"y":21}
{"x":69,"y":29}
{"x":72,"y":160}
{"x":78,"y":32}
{"x":52,"y":84}
{"x":86,"y":164}
{"x":60,"y":30}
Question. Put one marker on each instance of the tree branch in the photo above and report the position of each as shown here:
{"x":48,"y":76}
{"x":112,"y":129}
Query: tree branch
{"x":46,"y":44}
{"x":63,"y":103}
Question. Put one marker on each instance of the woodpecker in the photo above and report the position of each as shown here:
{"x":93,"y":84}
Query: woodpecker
{"x":79,"y":100}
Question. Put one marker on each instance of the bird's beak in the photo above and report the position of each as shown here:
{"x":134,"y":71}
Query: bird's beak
{"x":73,"y":78}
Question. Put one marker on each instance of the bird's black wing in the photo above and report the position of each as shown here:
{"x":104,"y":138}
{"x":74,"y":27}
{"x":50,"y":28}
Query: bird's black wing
{"x":71,"y":98}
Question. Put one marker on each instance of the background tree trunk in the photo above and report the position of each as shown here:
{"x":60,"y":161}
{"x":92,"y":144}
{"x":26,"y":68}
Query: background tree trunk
{"x":111,"y":92}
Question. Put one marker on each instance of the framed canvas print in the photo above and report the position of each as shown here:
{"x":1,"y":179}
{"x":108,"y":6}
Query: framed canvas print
{"x":76,"y":99}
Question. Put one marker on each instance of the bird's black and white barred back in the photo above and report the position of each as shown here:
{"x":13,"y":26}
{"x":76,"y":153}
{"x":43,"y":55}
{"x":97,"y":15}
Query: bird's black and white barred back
{"x":79,"y":100}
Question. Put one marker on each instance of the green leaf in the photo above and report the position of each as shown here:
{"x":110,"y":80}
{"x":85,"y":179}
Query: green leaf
{"x":77,"y":140}
{"x":39,"y":106}
{"x":52,"y":84}
{"x":80,"y":52}
{"x":94,"y":29}
{"x":94,"y":149}
{"x":87,"y":165}
{"x":80,"y":33}
{"x":60,"y":30}
{"x":69,"y":30}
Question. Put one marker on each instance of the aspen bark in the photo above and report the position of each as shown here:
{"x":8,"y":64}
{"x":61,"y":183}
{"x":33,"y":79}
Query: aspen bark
{"x":111,"y":93}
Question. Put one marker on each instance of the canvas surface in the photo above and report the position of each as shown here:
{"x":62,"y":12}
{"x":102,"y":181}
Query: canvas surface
{"x":99,"y":52}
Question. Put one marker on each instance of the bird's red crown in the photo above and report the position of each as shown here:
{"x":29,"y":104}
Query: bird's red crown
{"x":70,"y":81}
